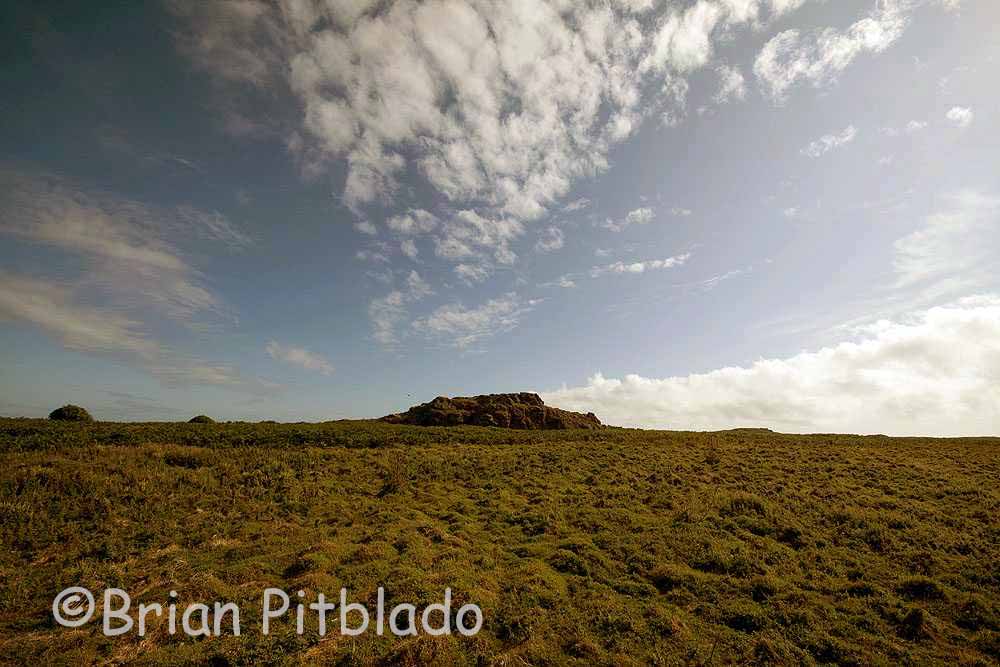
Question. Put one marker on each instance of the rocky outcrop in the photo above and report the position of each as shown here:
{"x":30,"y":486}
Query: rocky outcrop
{"x":524,"y":411}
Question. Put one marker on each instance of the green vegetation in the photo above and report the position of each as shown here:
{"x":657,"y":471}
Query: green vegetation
{"x":201,"y":419}
{"x":600,"y":547}
{"x":70,"y":413}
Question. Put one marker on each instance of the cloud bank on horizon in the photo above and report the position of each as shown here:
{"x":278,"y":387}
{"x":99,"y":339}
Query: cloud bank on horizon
{"x":935,"y":376}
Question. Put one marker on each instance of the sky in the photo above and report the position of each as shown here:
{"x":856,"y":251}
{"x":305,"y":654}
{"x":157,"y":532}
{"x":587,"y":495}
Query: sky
{"x":676,"y":214}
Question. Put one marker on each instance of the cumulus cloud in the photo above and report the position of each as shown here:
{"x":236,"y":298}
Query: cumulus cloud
{"x":376,"y":256}
{"x":818,"y":57}
{"x":299,"y":356}
{"x":639,"y":216}
{"x":501,"y":107}
{"x":933,"y":374}
{"x":472,"y":273}
{"x":462,"y":327}
{"x":415,"y":221}
{"x":960,"y":116}
{"x":366,"y":227}
{"x":732,"y":85}
{"x":640,"y":267}
{"x":576,"y":205}
{"x":550,"y":239}
{"x":409,"y":248}
{"x":829,"y":142}
{"x":467,"y":234}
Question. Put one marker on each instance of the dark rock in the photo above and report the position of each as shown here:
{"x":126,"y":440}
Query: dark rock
{"x":521,"y":411}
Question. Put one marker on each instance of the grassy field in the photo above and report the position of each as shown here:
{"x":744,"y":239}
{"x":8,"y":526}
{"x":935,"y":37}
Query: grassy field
{"x":612,"y":547}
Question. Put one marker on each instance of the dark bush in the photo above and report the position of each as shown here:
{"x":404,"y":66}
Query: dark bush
{"x":201,"y":419}
{"x":71,"y":413}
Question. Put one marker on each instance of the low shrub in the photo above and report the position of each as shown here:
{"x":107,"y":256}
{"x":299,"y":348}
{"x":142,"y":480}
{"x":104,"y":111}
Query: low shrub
{"x":70,"y":413}
{"x":201,"y":419}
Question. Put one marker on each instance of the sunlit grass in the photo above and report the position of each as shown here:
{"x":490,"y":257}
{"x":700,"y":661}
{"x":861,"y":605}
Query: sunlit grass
{"x":610,"y":547}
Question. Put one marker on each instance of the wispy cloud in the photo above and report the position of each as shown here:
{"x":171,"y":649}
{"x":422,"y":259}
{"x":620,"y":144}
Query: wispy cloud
{"x":58,"y":310}
{"x":958,"y":244}
{"x":387,"y":313}
{"x":912,"y":127}
{"x":550,"y":239}
{"x":640,"y":267}
{"x":462,"y":327}
{"x":829,"y":142}
{"x":817,"y":57}
{"x":133,"y":270}
{"x":639,"y":216}
{"x":132,"y":251}
{"x":299,"y":356}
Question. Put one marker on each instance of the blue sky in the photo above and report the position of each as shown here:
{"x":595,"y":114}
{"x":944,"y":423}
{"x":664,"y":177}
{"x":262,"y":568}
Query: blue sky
{"x":777,"y":213}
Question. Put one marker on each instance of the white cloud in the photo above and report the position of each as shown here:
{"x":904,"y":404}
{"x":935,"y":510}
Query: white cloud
{"x":911,"y":127}
{"x":576,"y":205}
{"x":680,"y":212}
{"x":564,"y":282}
{"x":639,"y":216}
{"x":549,"y":239}
{"x":409,"y":248}
{"x":640,"y":267}
{"x":960,"y":116}
{"x":366,"y":227}
{"x":472,"y":273}
{"x":415,"y":221}
{"x":732,"y":85}
{"x":388,"y":312}
{"x":299,"y":356}
{"x":501,"y":107}
{"x":934,"y":374}
{"x":817,"y":58}
{"x":416,"y":287}
{"x":469,"y":235}
{"x":829,"y":142}
{"x":371,"y":256}
{"x":462,"y":327}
